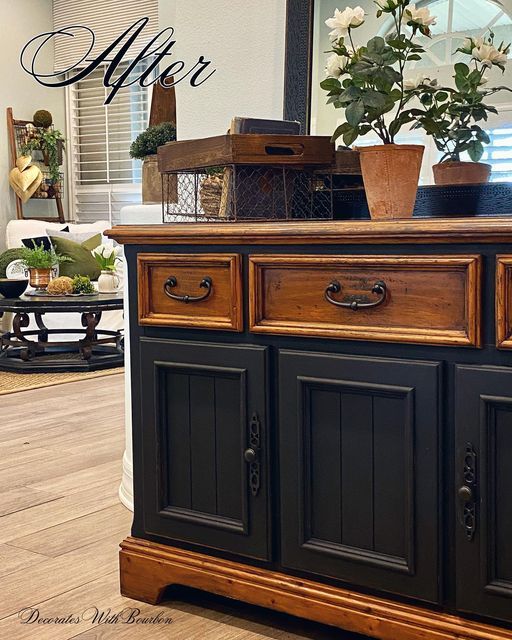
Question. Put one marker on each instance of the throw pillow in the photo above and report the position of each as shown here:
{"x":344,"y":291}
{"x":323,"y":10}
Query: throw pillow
{"x":76,"y":237}
{"x":44,"y":240}
{"x":84,"y":263}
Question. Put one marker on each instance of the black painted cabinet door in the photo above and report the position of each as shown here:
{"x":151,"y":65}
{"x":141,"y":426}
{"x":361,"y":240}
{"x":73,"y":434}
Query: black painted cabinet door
{"x":359,"y":470}
{"x":203,"y":406}
{"x":484,"y":490}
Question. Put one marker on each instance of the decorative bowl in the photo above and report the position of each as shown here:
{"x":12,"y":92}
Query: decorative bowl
{"x":12,"y":288}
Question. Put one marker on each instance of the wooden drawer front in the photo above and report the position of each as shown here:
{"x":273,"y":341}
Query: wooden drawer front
{"x":504,"y":302}
{"x":220,"y":306}
{"x":431,"y":299}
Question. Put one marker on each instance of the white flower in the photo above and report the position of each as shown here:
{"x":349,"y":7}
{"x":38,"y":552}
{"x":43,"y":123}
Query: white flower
{"x":106,"y":250}
{"x":421,"y":17}
{"x":489,"y":55}
{"x":388,"y":5}
{"x":335,"y":65}
{"x":417,"y":81}
{"x":342,"y":21}
{"x":470,"y":43}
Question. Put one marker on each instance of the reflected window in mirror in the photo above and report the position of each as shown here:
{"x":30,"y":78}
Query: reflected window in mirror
{"x":456,"y":19}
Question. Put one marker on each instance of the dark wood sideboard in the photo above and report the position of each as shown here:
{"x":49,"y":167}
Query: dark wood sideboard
{"x":322,"y":420}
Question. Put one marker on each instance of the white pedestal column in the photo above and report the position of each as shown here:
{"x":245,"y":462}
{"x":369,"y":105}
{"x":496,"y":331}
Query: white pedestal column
{"x":134,"y":214}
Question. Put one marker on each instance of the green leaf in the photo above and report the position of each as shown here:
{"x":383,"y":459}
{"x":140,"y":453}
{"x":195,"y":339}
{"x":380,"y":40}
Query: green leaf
{"x":376,"y":45}
{"x":330,"y":84}
{"x":475,"y":150}
{"x":461,"y":69}
{"x":397,"y":44}
{"x":350,"y":136}
{"x":343,"y":128}
{"x":413,"y":56}
{"x":355,"y":113}
{"x":482,"y":136}
{"x":392,"y":75}
{"x":461,"y":83}
{"x":442,"y":96}
{"x":394,"y":127}
{"x":350,"y":94}
{"x":373,"y":99}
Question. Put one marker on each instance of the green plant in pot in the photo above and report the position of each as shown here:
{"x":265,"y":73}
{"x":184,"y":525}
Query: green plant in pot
{"x":453,"y":116}
{"x":39,"y":262}
{"x":145,"y":147}
{"x":50,"y":142}
{"x":368,"y":83}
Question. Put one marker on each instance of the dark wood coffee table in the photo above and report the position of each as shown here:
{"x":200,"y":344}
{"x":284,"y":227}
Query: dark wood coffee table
{"x":31,"y":351}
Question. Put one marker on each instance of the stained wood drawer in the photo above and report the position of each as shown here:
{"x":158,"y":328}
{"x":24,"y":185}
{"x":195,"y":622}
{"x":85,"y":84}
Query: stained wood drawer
{"x":504,"y":302}
{"x":428,"y":299}
{"x":201,"y":291}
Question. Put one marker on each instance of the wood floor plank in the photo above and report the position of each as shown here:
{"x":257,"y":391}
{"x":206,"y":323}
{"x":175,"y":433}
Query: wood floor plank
{"x":30,"y":473}
{"x":93,"y":476}
{"x":78,"y":532}
{"x":23,"y":498}
{"x":55,"y":576}
{"x":23,"y":523}
{"x":13,"y":559}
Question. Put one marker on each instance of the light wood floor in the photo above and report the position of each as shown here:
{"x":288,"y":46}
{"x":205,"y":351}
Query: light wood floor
{"x":61,"y":523}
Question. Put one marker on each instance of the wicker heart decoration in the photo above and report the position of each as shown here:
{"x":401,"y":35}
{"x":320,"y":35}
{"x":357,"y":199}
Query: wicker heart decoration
{"x":25,"y":183}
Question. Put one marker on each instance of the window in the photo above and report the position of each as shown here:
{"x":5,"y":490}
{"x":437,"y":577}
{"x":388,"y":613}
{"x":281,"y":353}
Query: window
{"x":103,"y":176}
{"x":457,"y":19}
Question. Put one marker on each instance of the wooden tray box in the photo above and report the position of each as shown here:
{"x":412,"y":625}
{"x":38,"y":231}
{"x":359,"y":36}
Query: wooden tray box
{"x":246,"y":149}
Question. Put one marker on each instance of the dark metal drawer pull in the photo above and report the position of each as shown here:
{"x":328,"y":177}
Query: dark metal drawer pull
{"x":467,"y":493}
{"x":379,"y":289}
{"x":172,"y":281}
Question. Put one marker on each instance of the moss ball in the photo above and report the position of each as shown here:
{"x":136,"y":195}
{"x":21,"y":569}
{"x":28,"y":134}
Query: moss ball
{"x":7,"y":257}
{"x":42,"y":118}
{"x":60,"y":286}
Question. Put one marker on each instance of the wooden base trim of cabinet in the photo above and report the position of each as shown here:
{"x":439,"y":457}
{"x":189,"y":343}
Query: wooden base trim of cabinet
{"x":148,"y":568}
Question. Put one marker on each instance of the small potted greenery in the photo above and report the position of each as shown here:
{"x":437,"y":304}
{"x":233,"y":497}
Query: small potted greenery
{"x":39,"y":262}
{"x":145,"y":147}
{"x":453,"y":117}
{"x":50,"y":142}
{"x":368,"y":83}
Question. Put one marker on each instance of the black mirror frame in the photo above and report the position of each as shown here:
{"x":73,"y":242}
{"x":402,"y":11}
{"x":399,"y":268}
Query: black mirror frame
{"x":298,"y":61}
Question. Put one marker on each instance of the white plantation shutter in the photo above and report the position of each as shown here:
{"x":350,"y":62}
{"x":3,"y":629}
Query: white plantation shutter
{"x":103,"y":177}
{"x":499,"y":153}
{"x":108,"y":19}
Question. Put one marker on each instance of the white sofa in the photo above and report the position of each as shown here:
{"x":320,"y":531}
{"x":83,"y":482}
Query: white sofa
{"x":17,"y":230}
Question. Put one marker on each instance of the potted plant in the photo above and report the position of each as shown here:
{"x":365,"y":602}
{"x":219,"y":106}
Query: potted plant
{"x":39,"y":263}
{"x":50,"y":142}
{"x":368,"y":82}
{"x":451,"y":115}
{"x":145,"y":147}
{"x":107,"y":256}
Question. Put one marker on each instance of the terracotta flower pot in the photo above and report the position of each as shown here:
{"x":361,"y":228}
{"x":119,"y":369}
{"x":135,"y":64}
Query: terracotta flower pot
{"x":462,"y":173}
{"x":390,"y":174}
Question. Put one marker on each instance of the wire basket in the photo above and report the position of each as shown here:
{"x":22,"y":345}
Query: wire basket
{"x":231,"y":193}
{"x":49,"y":189}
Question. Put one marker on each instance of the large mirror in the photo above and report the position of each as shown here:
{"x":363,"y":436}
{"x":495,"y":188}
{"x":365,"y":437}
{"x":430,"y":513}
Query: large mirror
{"x":456,"y":19}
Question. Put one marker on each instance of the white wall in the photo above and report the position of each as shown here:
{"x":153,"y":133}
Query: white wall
{"x":21,"y":20}
{"x":245,"y":41}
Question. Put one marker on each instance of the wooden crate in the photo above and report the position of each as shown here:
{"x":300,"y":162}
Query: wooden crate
{"x":246,"y":149}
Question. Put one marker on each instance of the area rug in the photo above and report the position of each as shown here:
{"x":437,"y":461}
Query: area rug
{"x":14,"y":382}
